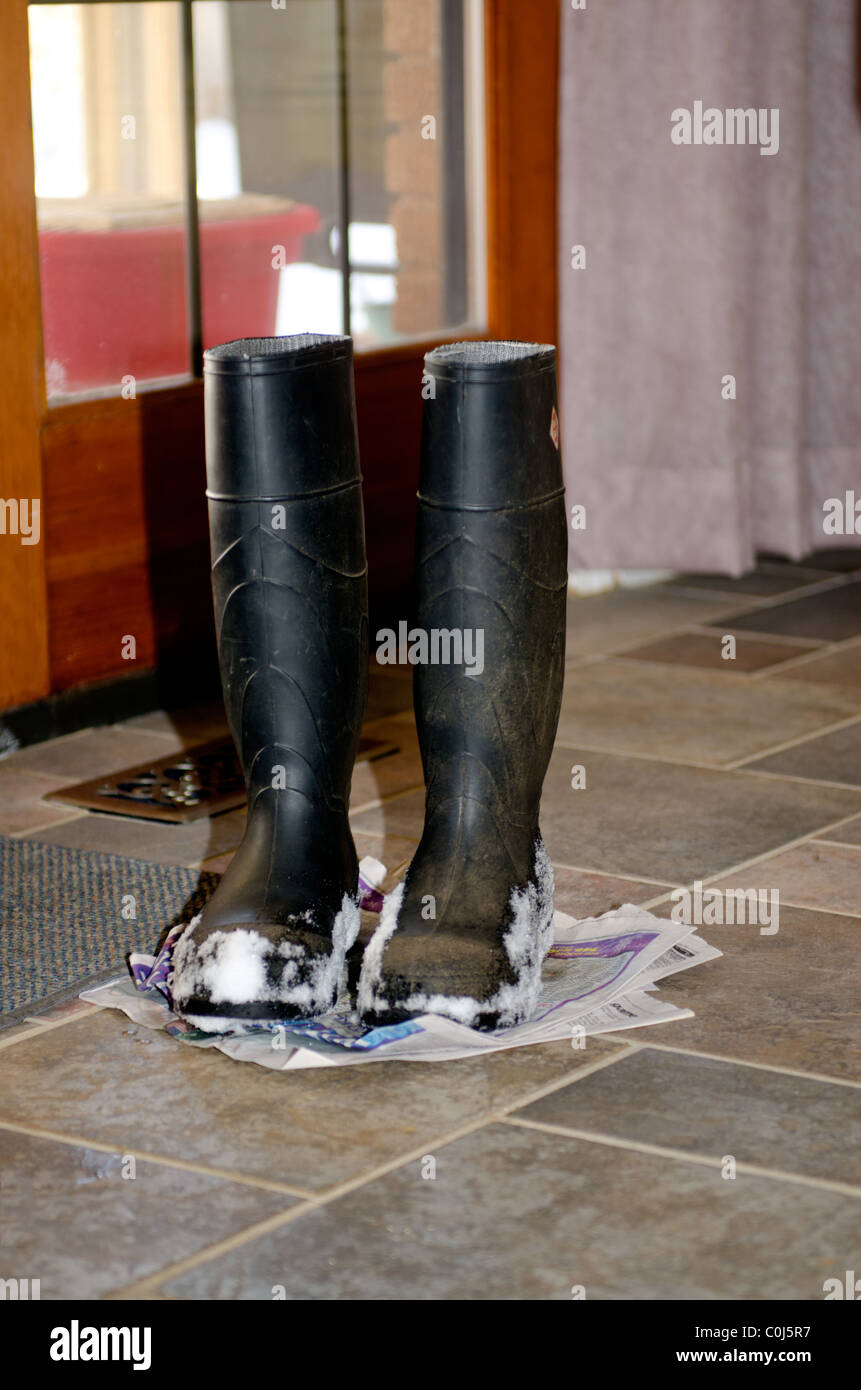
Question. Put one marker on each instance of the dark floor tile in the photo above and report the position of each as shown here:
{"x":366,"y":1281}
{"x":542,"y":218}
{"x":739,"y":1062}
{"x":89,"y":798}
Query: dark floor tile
{"x":787,"y":1000}
{"x":834,"y":757}
{"x":72,"y":1220}
{"x":516,"y":1214}
{"x":643,"y":819}
{"x":830,"y":616}
{"x":707,"y":650}
{"x":700,"y":1106}
{"x":121,"y":1084}
{"x":687,"y":715}
{"x":841,"y":559}
{"x":763,"y":582}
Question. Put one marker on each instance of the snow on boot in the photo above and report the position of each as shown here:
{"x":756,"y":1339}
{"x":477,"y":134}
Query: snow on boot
{"x":290,"y":590}
{"x":465,"y":934}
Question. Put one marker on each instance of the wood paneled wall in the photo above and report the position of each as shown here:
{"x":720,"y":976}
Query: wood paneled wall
{"x":24,"y":673}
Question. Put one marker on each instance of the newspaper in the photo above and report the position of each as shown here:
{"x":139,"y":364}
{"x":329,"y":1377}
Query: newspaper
{"x":600,"y":975}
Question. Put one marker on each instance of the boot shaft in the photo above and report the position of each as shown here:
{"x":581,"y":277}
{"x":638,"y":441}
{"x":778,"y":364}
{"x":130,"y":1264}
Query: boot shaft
{"x":491,"y":565}
{"x":289,"y":573}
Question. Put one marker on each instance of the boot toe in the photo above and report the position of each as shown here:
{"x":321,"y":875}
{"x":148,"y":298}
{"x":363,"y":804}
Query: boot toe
{"x":459,"y":976}
{"x":260,"y":972}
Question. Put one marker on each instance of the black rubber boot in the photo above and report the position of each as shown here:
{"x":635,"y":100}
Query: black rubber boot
{"x":467,"y":931}
{"x":290,"y":589}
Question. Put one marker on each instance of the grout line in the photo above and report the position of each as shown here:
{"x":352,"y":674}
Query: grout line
{"x":577,"y":746}
{"x":150,"y":1284}
{"x":801,"y":781}
{"x":325,"y":1198}
{"x":739,"y":763}
{"x":40,"y":1028}
{"x":767,"y":601}
{"x":621,"y":1051}
{"x":840,"y":844}
{"x":284,"y":1218}
{"x":682,"y":1156}
{"x":48,"y":824}
{"x":756,"y":1066}
{"x":817,"y":645}
{"x":807,"y":659}
{"x":736,"y":765}
{"x":161,"y":1160}
{"x":379,"y":801}
{"x":610,"y":873}
{"x":766,"y":854}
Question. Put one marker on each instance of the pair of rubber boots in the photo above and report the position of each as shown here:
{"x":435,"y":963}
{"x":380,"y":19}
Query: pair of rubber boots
{"x":464,"y":935}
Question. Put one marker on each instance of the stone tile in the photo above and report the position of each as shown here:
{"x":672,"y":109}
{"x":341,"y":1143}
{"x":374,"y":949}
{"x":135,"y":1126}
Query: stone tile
{"x":159,"y":842}
{"x":834,"y":757}
{"x":763,"y":582}
{"x":840,"y":559}
{"x":829,"y":616}
{"x":700,"y":1106}
{"x":588,"y":895}
{"x":21,"y":804}
{"x":788,"y":1000}
{"x":681,"y":714}
{"x":16,"y":1032}
{"x":814,"y":875}
{"x":706,"y":650}
{"x":309,"y":1129}
{"x":602,"y":622}
{"x":643,"y":819}
{"x":79,"y":757}
{"x":515,"y":1214}
{"x":396,"y":772}
{"x":71,"y":1220}
{"x":841,"y":666}
{"x":197,"y":724}
{"x":403,"y":816}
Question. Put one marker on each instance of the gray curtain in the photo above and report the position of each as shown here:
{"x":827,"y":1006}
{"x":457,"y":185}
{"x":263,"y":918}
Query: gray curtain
{"x":704,"y":261}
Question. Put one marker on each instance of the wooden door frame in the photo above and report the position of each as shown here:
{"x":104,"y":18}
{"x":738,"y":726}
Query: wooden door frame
{"x":90,"y":461}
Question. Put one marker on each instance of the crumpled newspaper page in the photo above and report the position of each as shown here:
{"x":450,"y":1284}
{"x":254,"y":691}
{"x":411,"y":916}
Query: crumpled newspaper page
{"x":600,"y":975}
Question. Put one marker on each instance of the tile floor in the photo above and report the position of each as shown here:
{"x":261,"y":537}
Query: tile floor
{"x":602,"y":1168}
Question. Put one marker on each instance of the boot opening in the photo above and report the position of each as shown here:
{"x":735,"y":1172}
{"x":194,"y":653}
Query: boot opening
{"x":479,"y":357}
{"x":294,"y":345}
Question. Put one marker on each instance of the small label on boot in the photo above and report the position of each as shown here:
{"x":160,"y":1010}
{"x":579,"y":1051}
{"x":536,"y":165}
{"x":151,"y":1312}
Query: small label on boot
{"x":554,"y":428}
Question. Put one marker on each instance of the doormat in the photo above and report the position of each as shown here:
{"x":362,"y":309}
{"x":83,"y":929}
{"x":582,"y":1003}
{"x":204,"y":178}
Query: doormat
{"x":69,"y":918}
{"x":200,"y":781}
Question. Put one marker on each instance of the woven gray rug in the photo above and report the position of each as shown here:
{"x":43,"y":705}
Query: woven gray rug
{"x":69,"y":917}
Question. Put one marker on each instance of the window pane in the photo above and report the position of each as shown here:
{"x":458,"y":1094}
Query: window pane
{"x":417,"y":168}
{"x":268,"y":159}
{"x":107,"y":131}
